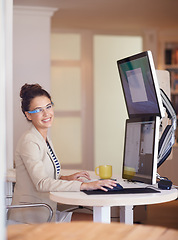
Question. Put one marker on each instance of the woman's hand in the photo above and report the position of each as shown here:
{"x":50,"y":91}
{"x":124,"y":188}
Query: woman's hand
{"x":77,"y":176}
{"x":100,"y":184}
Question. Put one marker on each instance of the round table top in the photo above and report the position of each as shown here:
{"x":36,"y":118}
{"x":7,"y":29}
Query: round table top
{"x":80,"y":198}
{"x":89,"y":231}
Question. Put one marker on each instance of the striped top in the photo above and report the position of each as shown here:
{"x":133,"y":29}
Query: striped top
{"x":56,"y":162}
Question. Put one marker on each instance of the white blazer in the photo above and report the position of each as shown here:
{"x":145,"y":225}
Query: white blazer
{"x":36,"y":176}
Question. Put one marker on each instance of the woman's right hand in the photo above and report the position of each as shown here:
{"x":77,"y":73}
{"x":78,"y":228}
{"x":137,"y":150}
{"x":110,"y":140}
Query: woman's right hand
{"x":100,"y":184}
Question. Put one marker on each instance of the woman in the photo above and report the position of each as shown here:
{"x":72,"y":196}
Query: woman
{"x":37,"y":166}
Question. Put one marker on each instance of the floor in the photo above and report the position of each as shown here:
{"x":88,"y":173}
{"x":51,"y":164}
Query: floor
{"x":165,"y":214}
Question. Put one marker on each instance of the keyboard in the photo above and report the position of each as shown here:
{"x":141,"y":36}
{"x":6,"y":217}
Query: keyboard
{"x":122,"y":191}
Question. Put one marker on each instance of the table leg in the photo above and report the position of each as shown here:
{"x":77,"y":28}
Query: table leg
{"x":102,"y":214}
{"x":126,"y":214}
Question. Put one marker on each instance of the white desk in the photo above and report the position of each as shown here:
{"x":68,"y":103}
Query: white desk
{"x":102,"y":203}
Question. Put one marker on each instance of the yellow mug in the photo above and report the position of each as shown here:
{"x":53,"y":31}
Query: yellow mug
{"x":104,"y":171}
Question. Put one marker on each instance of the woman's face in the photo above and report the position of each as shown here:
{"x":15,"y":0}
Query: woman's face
{"x":42,"y":119}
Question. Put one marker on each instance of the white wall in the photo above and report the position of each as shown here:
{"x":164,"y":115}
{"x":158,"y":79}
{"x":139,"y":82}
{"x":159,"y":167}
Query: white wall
{"x":31,"y":64}
{"x":109,"y":105}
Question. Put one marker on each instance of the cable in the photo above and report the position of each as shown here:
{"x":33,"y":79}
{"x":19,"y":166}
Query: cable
{"x":161,"y":178}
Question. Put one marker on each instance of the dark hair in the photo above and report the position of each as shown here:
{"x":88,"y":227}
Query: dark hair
{"x":28,"y":92}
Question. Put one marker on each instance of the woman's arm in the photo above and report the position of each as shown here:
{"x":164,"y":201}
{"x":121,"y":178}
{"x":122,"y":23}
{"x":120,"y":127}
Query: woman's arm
{"x":100,"y":184}
{"x":77,"y":176}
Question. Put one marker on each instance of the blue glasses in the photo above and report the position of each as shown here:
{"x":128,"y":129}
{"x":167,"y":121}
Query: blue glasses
{"x":41,"y":109}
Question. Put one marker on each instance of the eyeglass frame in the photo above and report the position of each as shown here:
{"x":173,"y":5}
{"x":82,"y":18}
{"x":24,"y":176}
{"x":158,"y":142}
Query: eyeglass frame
{"x":41,"y":109}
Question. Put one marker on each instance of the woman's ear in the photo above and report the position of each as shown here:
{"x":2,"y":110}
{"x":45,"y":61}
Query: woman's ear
{"x":28,"y":116}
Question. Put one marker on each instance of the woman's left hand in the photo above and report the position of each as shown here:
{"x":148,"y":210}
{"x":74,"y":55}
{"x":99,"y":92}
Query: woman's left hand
{"x":77,"y":176}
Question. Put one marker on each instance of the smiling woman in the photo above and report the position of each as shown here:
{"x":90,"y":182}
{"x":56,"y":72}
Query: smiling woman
{"x":37,"y":166}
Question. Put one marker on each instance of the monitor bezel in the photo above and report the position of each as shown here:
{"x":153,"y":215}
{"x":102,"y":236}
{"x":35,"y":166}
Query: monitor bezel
{"x":152,"y":179}
{"x":149,"y":56}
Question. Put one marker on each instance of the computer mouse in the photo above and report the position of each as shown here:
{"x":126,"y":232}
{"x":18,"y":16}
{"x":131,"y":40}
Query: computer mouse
{"x":116,"y":188}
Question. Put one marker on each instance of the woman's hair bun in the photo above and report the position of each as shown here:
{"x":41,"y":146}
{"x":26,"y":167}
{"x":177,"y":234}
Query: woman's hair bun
{"x":26,"y":88}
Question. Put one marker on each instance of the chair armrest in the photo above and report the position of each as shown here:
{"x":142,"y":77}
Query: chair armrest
{"x":33,"y":205}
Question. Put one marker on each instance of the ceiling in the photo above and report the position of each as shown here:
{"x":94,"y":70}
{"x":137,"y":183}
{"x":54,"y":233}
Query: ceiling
{"x":111,"y":14}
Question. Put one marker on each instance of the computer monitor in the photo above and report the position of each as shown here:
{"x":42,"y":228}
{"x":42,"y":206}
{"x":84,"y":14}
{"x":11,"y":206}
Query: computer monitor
{"x":141,"y":149}
{"x":140,"y":85}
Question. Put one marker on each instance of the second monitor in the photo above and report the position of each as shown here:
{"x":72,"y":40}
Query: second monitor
{"x":141,"y":149}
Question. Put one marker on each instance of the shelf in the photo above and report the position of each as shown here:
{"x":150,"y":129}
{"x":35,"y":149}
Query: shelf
{"x":171,"y":53}
{"x":174,"y":92}
{"x":173,"y":67}
{"x":170,"y":63}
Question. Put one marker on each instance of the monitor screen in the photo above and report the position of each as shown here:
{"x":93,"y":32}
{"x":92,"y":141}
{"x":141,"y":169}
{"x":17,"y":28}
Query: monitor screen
{"x":141,"y":149}
{"x":140,"y":85}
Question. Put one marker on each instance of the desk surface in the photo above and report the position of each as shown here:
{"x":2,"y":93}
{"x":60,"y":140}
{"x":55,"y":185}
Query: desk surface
{"x":80,"y":198}
{"x":89,"y":231}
